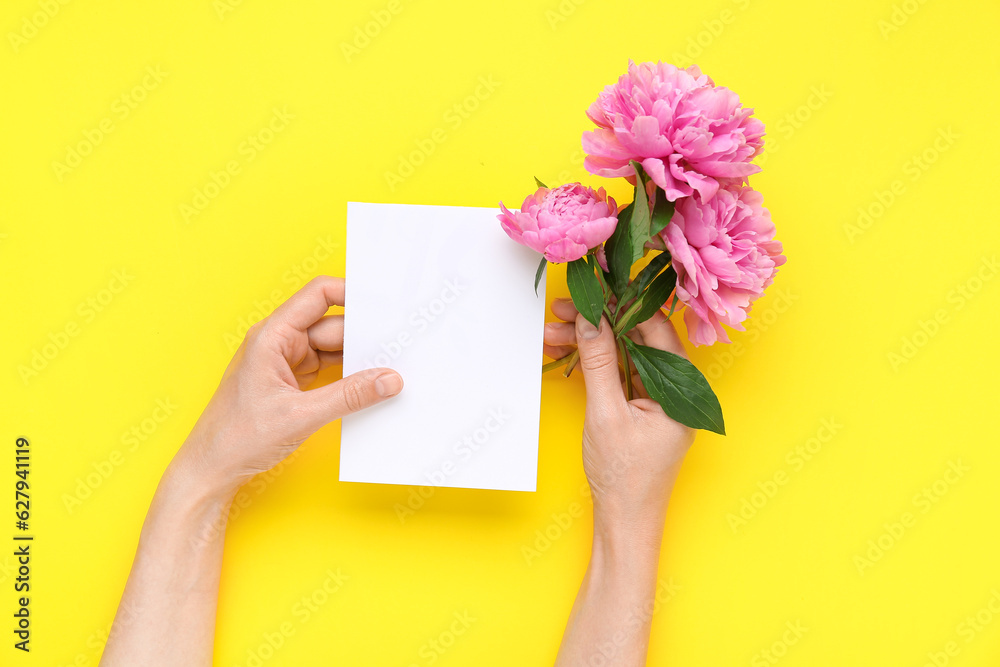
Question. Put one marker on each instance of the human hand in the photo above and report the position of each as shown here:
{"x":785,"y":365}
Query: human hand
{"x":262,"y":411}
{"x":632,"y":451}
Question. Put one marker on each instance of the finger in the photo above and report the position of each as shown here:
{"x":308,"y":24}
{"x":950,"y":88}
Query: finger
{"x":659,"y":332}
{"x":355,"y":392}
{"x":306,"y":379}
{"x":599,"y":362}
{"x":327,"y":358}
{"x":636,"y":337}
{"x":564,"y":309}
{"x":557,"y":351}
{"x":560,"y":333}
{"x":327,"y":333}
{"x":309,"y":363}
{"x":314,"y":362}
{"x":640,"y":391}
{"x":310,"y":303}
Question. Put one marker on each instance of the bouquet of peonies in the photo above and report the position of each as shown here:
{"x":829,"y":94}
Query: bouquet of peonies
{"x":687,"y":146}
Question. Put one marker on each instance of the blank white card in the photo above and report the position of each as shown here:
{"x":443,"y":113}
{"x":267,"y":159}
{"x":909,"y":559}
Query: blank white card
{"x":443,"y":296}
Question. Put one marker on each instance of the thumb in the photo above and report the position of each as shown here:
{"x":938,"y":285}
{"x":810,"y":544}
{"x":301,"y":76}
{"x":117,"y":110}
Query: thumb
{"x":351,"y":394}
{"x":599,"y":361}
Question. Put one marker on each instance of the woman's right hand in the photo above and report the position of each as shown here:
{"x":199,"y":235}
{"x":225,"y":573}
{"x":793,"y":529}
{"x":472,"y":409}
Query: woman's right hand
{"x":632,"y":451}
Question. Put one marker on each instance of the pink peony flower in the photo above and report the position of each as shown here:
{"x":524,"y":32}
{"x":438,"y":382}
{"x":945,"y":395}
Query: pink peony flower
{"x":725,"y":255}
{"x":689,"y":135}
{"x":562,"y":223}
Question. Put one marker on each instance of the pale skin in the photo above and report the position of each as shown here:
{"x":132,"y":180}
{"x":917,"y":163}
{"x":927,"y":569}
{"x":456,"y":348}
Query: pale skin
{"x":264,"y":409}
{"x":632,"y":453}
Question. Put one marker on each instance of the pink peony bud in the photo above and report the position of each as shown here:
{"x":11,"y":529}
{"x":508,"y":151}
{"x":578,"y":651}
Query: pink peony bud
{"x":562,"y":223}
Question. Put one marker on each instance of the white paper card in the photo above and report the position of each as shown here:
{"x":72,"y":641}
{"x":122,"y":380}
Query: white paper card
{"x":442,"y":295}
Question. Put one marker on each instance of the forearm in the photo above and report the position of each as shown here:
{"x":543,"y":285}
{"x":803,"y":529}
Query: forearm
{"x":167,"y":612}
{"x":611,"y":617}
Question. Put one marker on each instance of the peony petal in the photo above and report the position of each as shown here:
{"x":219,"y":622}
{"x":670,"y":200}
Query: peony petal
{"x":604,"y":142}
{"x":565,"y":250}
{"x":725,"y":169}
{"x":659,"y":174}
{"x":705,"y":186}
{"x":592,"y":233}
{"x":644,"y":138}
{"x":602,"y":258}
{"x":607,"y":167}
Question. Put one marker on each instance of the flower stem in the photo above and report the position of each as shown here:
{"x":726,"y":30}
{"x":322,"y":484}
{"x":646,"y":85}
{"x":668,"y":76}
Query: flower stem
{"x":626,"y":365}
{"x":569,"y":360}
{"x":552,"y":365}
{"x":620,"y":322}
{"x":571,"y":363}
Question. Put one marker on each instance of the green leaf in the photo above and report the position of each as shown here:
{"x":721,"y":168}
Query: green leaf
{"x":680,"y":388}
{"x":649,"y":301}
{"x":640,"y":225}
{"x":539,"y":272}
{"x":619,"y":253}
{"x":673,"y":304}
{"x":647,"y":274}
{"x":585,"y":290}
{"x":663,"y":210}
{"x":540,"y":184}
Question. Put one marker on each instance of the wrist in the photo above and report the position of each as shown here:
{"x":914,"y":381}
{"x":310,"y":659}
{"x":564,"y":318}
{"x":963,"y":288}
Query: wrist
{"x":630,"y":535}
{"x":195,"y":471}
{"x":191,"y":493}
{"x":186,"y":505}
{"x":635,"y":511}
{"x":188,"y":484}
{"x":630,"y":522}
{"x":624,"y":561}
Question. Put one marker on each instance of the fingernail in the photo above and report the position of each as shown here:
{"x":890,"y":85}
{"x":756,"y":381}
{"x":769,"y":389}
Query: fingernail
{"x":388,"y":384}
{"x":585,"y":329}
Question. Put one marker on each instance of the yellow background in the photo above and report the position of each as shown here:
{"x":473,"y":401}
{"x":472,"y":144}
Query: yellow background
{"x":849,"y":105}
